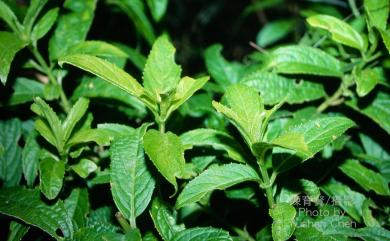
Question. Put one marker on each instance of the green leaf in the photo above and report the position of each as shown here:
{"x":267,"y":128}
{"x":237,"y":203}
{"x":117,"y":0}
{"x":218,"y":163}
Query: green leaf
{"x":164,"y":220}
{"x":217,"y":139}
{"x":161,"y":74}
{"x":377,"y":12}
{"x":32,"y":13}
{"x":283,"y":225}
{"x":215,"y":178}
{"x":340,"y":30}
{"x":135,"y":11}
{"x":67,"y":34}
{"x":30,"y":159}
{"x":344,"y":197}
{"x":11,"y":159}
{"x":131,"y":182}
{"x":274,"y":31}
{"x":368,"y":218}
{"x":292,"y":189}
{"x":201,"y":234}
{"x":44,"y":25}
{"x":97,"y":48}
{"x":157,"y":8}
{"x":27,"y":206}
{"x":303,"y":60}
{"x":167,"y":154}
{"x":274,"y":88}
{"x":74,"y":116}
{"x":386,"y":38}
{"x":25,"y":90}
{"x":223,"y":72}
{"x":366,"y":178}
{"x":245,"y":110}
{"x":51,"y":174}
{"x":77,"y":206}
{"x":105,"y":70}
{"x":84,"y":167}
{"x":99,"y":136}
{"x":366,"y":80}
{"x":17,"y":231}
{"x":9,"y":17}
{"x":10,"y":44}
{"x":133,"y":55}
{"x":377,"y":110}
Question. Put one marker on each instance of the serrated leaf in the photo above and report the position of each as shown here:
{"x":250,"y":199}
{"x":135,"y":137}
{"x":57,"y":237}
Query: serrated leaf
{"x":44,"y":24}
{"x":368,"y":218}
{"x":223,"y":72}
{"x":9,"y":17}
{"x":77,"y":206}
{"x":164,"y":220}
{"x":27,"y":206}
{"x":274,"y":88}
{"x":157,"y":8}
{"x":377,"y":12}
{"x":102,"y":219}
{"x":17,"y":231}
{"x":274,"y":31}
{"x":10,"y":44}
{"x":131,"y":182}
{"x":215,"y":178}
{"x":25,"y":90}
{"x":377,"y":110}
{"x":341,"y":31}
{"x":167,"y":154}
{"x":51,"y":175}
{"x":30,"y":159}
{"x":366,"y":178}
{"x":11,"y":159}
{"x":217,"y":139}
{"x":105,"y":70}
{"x":66,"y":33}
{"x":74,"y":116}
{"x":283,"y":225}
{"x":303,"y":60}
{"x":161,"y":74}
{"x":97,"y":48}
{"x":366,"y":80}
{"x":84,"y":167}
{"x":201,"y":234}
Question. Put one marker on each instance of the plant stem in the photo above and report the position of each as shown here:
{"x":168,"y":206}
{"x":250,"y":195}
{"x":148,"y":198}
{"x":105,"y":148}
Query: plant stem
{"x":161,"y":127}
{"x":266,"y":181}
{"x":355,"y":10}
{"x":333,"y":100}
{"x":123,"y":222}
{"x":48,"y":71}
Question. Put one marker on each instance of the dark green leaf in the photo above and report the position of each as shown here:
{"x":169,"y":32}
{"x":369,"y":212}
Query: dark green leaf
{"x":157,"y":8}
{"x":201,"y":234}
{"x":366,"y":80}
{"x":283,"y":225}
{"x":25,"y":90}
{"x":84,"y":167}
{"x":17,"y":231}
{"x":133,"y":55}
{"x":290,"y":193}
{"x":30,"y":159}
{"x":9,"y":17}
{"x":51,"y":174}
{"x":274,"y":31}
{"x":77,"y":206}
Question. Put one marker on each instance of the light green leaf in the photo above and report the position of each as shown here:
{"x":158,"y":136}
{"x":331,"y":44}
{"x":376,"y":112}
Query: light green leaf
{"x":44,"y":25}
{"x":45,"y":131}
{"x":274,"y":31}
{"x":10,"y":44}
{"x":303,"y":60}
{"x":32,"y":13}
{"x":97,"y":48}
{"x":9,"y":17}
{"x":161,"y":74}
{"x":106,"y":71}
{"x":366,"y":80}
{"x":30,"y":159}
{"x":217,"y":139}
{"x":25,"y":90}
{"x":201,"y":234}
{"x":377,"y":110}
{"x":377,"y":12}
{"x":386,"y":38}
{"x":99,"y":136}
{"x":164,"y":220}
{"x":74,"y":116}
{"x":283,"y":225}
{"x":72,"y":28}
{"x":77,"y":206}
{"x":84,"y":167}
{"x":17,"y":231}
{"x":215,"y":178}
{"x":167,"y":154}
{"x":51,"y":175}
{"x":223,"y":72}
{"x":340,"y":30}
{"x":274,"y":88}
{"x":131,"y":182}
{"x":135,"y":11}
{"x":133,"y":55}
{"x":366,"y":178}
{"x":368,"y":218}
{"x":344,"y":197}
{"x":27,"y":206}
{"x":157,"y":8}
{"x":11,"y":159}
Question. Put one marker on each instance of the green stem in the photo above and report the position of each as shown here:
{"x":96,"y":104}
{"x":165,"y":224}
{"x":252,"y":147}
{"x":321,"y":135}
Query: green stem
{"x":161,"y":127}
{"x":123,"y":222}
{"x":48,"y":71}
{"x":354,"y":8}
{"x":267,"y":184}
{"x":333,"y":100}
